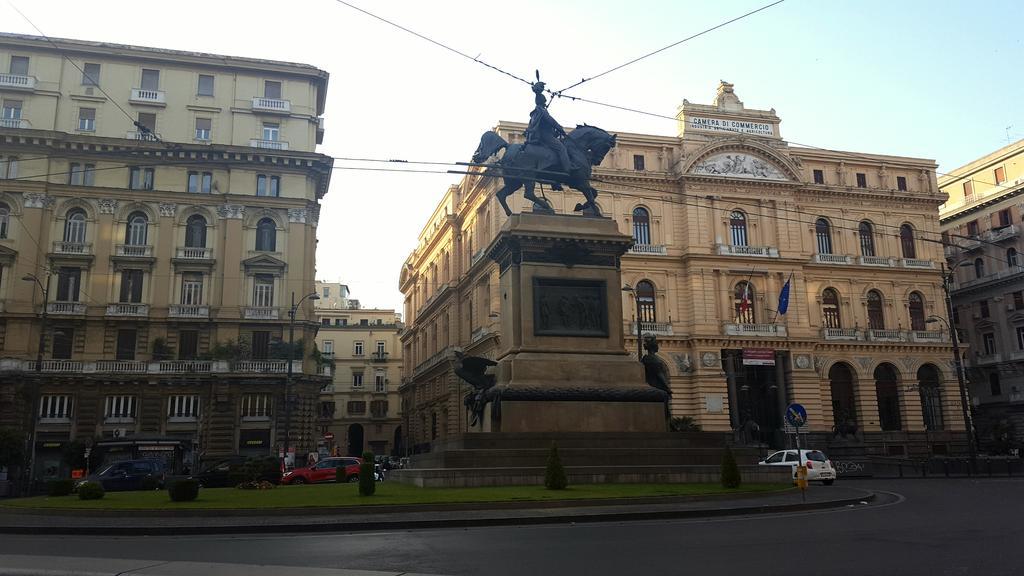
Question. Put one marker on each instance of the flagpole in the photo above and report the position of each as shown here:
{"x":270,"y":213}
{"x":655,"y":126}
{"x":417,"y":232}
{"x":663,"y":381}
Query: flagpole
{"x":777,"y":306}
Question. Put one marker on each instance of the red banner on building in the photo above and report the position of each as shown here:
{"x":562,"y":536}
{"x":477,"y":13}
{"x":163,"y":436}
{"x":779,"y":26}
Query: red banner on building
{"x":758,"y":357}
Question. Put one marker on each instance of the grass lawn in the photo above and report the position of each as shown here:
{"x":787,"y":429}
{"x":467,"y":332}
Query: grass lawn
{"x":322,"y":495}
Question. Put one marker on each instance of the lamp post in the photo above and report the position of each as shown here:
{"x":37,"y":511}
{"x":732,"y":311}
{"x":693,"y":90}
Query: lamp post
{"x":288,"y":379}
{"x":34,"y":393}
{"x":636,"y":304}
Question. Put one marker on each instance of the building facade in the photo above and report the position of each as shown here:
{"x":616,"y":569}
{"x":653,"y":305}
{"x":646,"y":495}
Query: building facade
{"x":161,"y":207}
{"x":723,"y":216}
{"x":333,"y":295}
{"x":360,"y":408}
{"x":981,"y":223}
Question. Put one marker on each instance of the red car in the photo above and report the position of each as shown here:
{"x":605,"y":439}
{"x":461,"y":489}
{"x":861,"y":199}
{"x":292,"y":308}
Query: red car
{"x":324,"y":471}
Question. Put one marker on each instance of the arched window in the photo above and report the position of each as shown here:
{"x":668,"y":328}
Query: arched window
{"x":844,"y":407}
{"x":830,"y":308}
{"x":641,"y":226}
{"x":916,"y":306}
{"x":1011,"y":257}
{"x":138,"y":229}
{"x":5,"y":219}
{"x":876,"y":316}
{"x":887,"y":393}
{"x":823,"y":232}
{"x":645,"y":302}
{"x":907,"y":241}
{"x":266,"y":235}
{"x":743,"y":303}
{"x":979,"y":268}
{"x":738,"y":228}
{"x":931,"y":396}
{"x":74,"y":226}
{"x":867,"y":239}
{"x":195,"y":232}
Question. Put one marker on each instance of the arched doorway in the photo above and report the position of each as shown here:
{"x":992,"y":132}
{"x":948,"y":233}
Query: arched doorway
{"x":887,"y":392}
{"x":844,"y":406}
{"x":355,"y":440}
{"x":397,"y":449}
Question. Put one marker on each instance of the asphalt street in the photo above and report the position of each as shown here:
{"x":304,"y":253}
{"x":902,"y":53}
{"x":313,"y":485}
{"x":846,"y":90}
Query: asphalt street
{"x":933,"y":527}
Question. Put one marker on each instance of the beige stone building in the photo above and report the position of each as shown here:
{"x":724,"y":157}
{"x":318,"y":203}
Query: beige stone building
{"x":167,"y":204}
{"x":722,"y":215}
{"x":333,"y":295}
{"x":981,"y":223}
{"x":360,"y":408}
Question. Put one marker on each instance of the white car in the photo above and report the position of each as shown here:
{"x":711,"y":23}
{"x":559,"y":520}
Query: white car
{"x":819,"y":467}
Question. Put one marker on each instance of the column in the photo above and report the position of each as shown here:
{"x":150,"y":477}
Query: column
{"x":730,"y":378}
{"x":867,"y":403}
{"x":911,"y":416}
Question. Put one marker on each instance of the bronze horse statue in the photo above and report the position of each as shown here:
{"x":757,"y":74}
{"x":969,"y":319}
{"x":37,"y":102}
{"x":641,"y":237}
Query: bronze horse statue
{"x":524,"y":165}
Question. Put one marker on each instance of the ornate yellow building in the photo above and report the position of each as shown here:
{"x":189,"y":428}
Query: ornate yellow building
{"x":162,"y":207}
{"x":722,"y":217}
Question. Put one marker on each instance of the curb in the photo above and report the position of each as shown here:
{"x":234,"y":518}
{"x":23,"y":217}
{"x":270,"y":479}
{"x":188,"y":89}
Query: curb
{"x":350,"y":526}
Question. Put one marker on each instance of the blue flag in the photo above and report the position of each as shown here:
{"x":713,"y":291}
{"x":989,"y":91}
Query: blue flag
{"x":784,"y":297}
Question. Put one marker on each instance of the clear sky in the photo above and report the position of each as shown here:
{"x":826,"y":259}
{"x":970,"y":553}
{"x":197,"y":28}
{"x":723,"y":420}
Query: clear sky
{"x":935,"y":79}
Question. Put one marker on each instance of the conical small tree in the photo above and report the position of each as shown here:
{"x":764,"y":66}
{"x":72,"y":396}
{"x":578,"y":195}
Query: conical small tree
{"x":730,"y":471}
{"x":554,"y":474}
{"x":366,"y":484}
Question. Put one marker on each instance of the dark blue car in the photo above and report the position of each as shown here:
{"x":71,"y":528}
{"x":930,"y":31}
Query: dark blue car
{"x":130,"y":475}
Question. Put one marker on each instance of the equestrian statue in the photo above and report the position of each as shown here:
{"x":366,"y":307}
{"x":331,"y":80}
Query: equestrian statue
{"x":550,"y":155}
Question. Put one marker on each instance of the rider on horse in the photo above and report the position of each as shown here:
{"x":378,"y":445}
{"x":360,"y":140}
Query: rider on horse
{"x":545,"y":130}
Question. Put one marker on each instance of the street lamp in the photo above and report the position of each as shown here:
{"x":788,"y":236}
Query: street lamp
{"x":34,"y":393}
{"x":288,"y":380}
{"x":636,"y":302}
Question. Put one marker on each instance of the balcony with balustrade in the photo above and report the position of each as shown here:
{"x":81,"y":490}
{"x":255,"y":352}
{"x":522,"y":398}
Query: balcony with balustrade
{"x":17,"y":82}
{"x":928,"y":336}
{"x":188,"y":311}
{"x":73,"y":248}
{"x":756,"y":251}
{"x":1009,"y":272}
{"x":917,"y":263}
{"x":654,"y":249}
{"x":144,"y":96}
{"x":192,"y":253}
{"x":877,"y":261}
{"x":16,"y":123}
{"x":143,"y":136}
{"x":163,"y":367}
{"x":133,"y":251}
{"x":885,"y":335}
{"x":983,"y":359}
{"x":841,"y":334}
{"x":271,"y":105}
{"x":128,"y":309}
{"x":121,"y":366}
{"x":1000,"y":234}
{"x":756,"y":330}
{"x":261,"y":313}
{"x":268,"y":144}
{"x":832,"y":259}
{"x":656,"y":328}
{"x":66,"y":308}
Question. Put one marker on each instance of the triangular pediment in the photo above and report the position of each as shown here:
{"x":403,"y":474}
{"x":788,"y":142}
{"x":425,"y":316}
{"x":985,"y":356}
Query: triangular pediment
{"x":263,"y":261}
{"x":736,"y":164}
{"x":7,"y":254}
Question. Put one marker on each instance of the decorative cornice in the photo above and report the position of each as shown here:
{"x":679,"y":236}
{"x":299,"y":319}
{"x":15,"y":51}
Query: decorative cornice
{"x":168,"y":209}
{"x":107,"y":205}
{"x":39,"y":200}
{"x":231,"y":212}
{"x":297,"y":215}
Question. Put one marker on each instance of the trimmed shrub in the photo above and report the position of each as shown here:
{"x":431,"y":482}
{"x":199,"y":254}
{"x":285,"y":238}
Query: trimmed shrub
{"x":183,"y":490}
{"x":61,"y":487}
{"x":730,"y":471}
{"x":366,"y":484}
{"x":91,"y":491}
{"x":554,"y":473}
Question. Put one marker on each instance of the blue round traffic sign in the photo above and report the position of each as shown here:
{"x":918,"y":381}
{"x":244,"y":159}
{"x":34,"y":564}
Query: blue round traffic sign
{"x":796,"y":415}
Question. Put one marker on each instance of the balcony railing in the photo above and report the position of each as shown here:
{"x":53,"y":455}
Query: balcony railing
{"x":268,"y":144}
{"x":768,"y":330}
{"x":15,"y":123}
{"x":66,"y":308}
{"x":832,"y":259}
{"x":657,"y":328}
{"x":144,"y":136}
{"x":17,"y":82}
{"x":165,"y":367}
{"x":917,"y":263}
{"x":982,"y":359}
{"x":189,"y":253}
{"x":1001,"y":274}
{"x":324,"y":370}
{"x":267,"y":366}
{"x":479,"y":334}
{"x":1016,"y":397}
{"x":477,"y":256}
{"x":1004,"y":233}
{"x":128,"y":309}
{"x":186,"y":366}
{"x":188,"y":311}
{"x":379,"y":357}
{"x":276,"y":105}
{"x":60,"y":247}
{"x":148,"y":96}
{"x":121,"y":366}
{"x":261,"y":313}
{"x":928,"y":336}
{"x":840,"y":334}
{"x":434,"y":359}
{"x":759,"y":251}
{"x":886,"y":335}
{"x":133,"y":250}
{"x":57,"y":366}
{"x":874,"y":261}
{"x":648,"y":249}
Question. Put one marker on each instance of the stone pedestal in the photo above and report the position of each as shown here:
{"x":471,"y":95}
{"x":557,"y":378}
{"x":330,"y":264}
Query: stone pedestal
{"x":562,"y":364}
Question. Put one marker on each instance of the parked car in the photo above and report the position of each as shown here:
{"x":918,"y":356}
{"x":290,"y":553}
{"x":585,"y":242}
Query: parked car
{"x":234,"y":470}
{"x":129,"y":475}
{"x":819,"y":467}
{"x":324,"y":471}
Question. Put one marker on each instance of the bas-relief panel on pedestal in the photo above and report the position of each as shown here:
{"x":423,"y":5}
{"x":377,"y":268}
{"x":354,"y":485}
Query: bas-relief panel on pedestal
{"x":564,"y":307}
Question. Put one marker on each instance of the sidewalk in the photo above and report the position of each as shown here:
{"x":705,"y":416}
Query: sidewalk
{"x":81,"y":523}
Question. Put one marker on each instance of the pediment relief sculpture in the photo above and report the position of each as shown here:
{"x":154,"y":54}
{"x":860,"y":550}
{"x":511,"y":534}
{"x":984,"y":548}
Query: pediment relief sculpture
{"x":738,"y":165}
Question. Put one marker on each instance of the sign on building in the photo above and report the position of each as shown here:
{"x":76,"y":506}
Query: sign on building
{"x":758,"y":357}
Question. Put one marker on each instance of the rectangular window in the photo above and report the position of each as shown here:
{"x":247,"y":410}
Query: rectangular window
{"x":200,"y":182}
{"x":148,"y":122}
{"x":55,"y":407}
{"x":379,"y":408}
{"x":183,"y":407}
{"x":1004,"y":217}
{"x":328,"y":347}
{"x":380,"y":348}
{"x":1020,"y":337}
{"x":638,"y":162}
{"x":327,"y":291}
{"x":87,"y":119}
{"x":150,"y":79}
{"x":271,"y":131}
{"x":63,"y":342}
{"x":819,"y":176}
{"x":9,"y":167}
{"x":968,"y":191}
{"x":1018,"y":300}
{"x":325,"y":321}
{"x":380,"y":382}
{"x":862,"y":180}
{"x":126,"y":339}
{"x":972,"y":228}
{"x":81,"y":174}
{"x":188,"y":344}
{"x":357,"y":380}
{"x":989,"y":342}
{"x":357,"y":348}
{"x":268,"y":185}
{"x":120,"y":408}
{"x":205,"y":87}
{"x":68,"y":282}
{"x":983,"y":307}
{"x":19,"y":65}
{"x":356,"y":407}
{"x":256,"y":406}
{"x":994,"y":387}
{"x":11,"y":110}
{"x":140,"y":178}
{"x":203,"y":128}
{"x":271,"y":89}
{"x":131,"y":286}
{"x":260,"y":345}
{"x":192,"y":288}
{"x":263,"y":291}
{"x":901,"y":183}
{"x":1000,"y":175}
{"x":91,"y":74}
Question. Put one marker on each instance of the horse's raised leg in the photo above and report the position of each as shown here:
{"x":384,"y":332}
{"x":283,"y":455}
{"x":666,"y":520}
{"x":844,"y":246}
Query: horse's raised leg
{"x":539,"y":204}
{"x":505,"y":192}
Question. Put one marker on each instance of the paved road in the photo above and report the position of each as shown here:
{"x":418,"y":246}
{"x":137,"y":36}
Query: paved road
{"x":933,"y":527}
